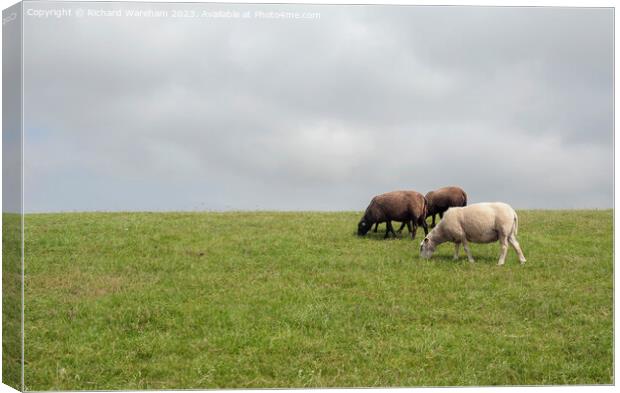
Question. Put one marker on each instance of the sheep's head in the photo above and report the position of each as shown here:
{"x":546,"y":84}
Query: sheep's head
{"x":363,"y":227}
{"x":427,"y":248}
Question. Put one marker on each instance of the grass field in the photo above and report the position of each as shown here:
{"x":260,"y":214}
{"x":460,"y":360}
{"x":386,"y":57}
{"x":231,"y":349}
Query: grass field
{"x":11,"y":299}
{"x":214,"y":300}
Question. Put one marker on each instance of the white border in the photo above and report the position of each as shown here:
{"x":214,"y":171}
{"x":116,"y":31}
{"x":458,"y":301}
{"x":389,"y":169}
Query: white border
{"x":531,"y":3}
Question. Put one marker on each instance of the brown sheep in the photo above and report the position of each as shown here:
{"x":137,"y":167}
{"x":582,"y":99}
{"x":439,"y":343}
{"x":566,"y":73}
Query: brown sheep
{"x":401,"y":206}
{"x":444,"y":198}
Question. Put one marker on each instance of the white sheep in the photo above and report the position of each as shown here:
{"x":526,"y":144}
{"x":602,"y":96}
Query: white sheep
{"x":477,"y":223}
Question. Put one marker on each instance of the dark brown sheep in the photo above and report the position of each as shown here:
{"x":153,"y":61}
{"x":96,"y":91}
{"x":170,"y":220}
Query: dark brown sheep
{"x":444,"y":198}
{"x":402,"y":206}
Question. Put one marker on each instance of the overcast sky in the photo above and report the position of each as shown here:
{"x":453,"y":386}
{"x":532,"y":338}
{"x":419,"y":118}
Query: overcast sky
{"x":166,"y":113}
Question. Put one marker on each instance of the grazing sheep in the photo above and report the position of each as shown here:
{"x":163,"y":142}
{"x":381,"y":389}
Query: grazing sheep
{"x":444,"y":198}
{"x":477,"y":223}
{"x":402,"y":206}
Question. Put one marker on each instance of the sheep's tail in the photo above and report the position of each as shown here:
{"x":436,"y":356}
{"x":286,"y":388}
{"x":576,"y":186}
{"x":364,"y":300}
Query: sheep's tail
{"x":516,"y":223}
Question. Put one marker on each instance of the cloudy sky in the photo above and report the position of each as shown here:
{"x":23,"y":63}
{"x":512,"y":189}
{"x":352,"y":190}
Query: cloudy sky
{"x":204,"y":113}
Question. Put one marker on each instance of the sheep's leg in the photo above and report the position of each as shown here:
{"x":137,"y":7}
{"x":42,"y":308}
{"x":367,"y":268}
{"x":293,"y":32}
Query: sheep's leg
{"x":467,"y":250}
{"x":401,"y":228}
{"x":392,"y":229}
{"x":515,"y":244}
{"x":456,"y":250}
{"x":409,"y":226}
{"x":388,"y":229}
{"x":376,"y":227}
{"x":415,"y":229}
{"x":504,"y":247}
{"x":433,"y":223}
{"x":425,"y":227}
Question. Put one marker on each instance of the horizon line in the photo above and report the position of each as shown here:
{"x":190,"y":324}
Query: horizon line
{"x":266,"y":211}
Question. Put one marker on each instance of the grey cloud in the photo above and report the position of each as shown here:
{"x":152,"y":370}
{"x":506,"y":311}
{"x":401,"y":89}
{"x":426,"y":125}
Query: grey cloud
{"x":150,"y":114}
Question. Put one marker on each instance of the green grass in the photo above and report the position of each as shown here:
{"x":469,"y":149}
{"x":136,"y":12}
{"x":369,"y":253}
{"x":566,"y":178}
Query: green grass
{"x":11,"y":299}
{"x":231,"y":300}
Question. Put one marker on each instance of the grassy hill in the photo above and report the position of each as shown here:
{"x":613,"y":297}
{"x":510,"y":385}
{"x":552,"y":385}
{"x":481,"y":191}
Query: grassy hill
{"x":261,"y":299}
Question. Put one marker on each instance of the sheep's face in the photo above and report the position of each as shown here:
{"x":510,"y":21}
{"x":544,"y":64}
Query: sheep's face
{"x":427,"y":248}
{"x":363,"y":227}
